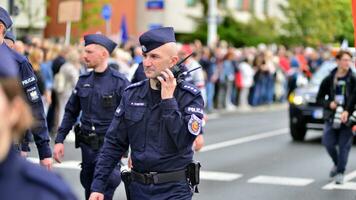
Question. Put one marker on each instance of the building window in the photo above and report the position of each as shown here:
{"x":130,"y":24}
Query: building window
{"x":191,"y":3}
{"x":265,"y":7}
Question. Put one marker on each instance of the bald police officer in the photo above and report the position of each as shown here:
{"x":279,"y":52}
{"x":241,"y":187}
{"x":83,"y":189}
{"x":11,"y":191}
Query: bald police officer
{"x":29,"y":84}
{"x":20,"y":179}
{"x":159,"y":120}
{"x":97,"y":94}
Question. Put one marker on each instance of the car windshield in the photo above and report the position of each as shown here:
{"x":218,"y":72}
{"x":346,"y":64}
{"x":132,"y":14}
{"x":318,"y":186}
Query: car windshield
{"x":323,"y":71}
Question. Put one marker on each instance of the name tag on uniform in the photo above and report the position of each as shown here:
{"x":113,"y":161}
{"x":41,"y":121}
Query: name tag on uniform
{"x":137,"y":104}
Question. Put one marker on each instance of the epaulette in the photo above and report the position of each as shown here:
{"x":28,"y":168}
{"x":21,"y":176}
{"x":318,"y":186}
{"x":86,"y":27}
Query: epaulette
{"x":36,"y":174}
{"x":189,"y":87}
{"x":134,"y":85}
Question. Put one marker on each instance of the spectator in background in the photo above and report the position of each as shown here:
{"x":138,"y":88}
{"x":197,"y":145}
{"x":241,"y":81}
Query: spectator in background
{"x":207,"y":62}
{"x":66,"y":79}
{"x":36,"y":58}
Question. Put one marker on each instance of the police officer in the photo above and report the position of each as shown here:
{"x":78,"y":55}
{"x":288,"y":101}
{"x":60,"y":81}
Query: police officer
{"x":335,"y":94}
{"x":97,"y":94}
{"x":10,"y":39}
{"x":20,"y":179}
{"x":159,"y":120}
{"x":29,"y":84}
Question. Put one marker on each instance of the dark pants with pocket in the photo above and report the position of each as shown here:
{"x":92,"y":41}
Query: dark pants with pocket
{"x":341,"y":138}
{"x":89,"y":159}
{"x":179,"y":190}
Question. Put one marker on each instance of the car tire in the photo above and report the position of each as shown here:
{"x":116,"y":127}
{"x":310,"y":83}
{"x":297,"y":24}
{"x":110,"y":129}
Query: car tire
{"x":298,"y":131}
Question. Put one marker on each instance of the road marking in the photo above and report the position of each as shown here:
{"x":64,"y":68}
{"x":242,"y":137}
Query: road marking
{"x":347,"y":184}
{"x":69,"y":164}
{"x":277,"y":180}
{"x":219,"y":176}
{"x":244,"y":139}
{"x":70,"y":137}
{"x":204,"y":175}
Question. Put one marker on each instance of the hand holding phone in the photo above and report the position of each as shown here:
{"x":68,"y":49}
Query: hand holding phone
{"x":168,"y":84}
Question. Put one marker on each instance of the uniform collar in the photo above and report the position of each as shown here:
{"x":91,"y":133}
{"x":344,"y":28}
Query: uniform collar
{"x":102,"y":73}
{"x":145,"y":88}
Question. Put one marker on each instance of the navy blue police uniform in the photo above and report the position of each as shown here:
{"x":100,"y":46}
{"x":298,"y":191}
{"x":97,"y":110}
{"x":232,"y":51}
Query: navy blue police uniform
{"x":159,"y":132}
{"x":20,"y":179}
{"x":29,"y":84}
{"x":97,"y":95}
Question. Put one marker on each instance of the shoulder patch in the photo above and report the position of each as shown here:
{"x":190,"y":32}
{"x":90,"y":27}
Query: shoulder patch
{"x":134,"y":85}
{"x":29,"y":81}
{"x":194,"y":125}
{"x":190,"y":88}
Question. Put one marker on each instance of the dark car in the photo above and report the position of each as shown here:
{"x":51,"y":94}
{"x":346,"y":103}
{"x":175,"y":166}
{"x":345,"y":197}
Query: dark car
{"x":304,"y":113}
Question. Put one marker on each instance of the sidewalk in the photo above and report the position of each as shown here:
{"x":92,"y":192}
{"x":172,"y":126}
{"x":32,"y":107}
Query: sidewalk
{"x":256,"y":109}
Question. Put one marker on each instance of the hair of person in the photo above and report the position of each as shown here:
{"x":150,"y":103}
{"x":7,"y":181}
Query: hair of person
{"x":12,"y":89}
{"x":342,"y":53}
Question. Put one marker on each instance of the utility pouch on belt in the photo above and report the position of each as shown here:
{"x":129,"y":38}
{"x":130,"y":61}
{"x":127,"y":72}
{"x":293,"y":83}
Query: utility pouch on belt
{"x":77,"y":132}
{"x":126,"y":178}
{"x":193,"y":174}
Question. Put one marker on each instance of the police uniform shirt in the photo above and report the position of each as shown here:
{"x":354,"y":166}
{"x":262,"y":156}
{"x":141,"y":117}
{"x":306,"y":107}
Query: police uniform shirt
{"x":32,"y":93}
{"x":20,"y":179}
{"x":97,"y":95}
{"x":160,"y":135}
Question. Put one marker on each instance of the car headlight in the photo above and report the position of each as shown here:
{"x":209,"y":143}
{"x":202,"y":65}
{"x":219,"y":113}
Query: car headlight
{"x":296,"y":99}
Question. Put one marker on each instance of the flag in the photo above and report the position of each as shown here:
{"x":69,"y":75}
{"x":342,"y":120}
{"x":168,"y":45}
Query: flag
{"x":123,"y":30}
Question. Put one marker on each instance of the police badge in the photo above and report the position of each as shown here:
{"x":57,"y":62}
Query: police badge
{"x":194,"y":125}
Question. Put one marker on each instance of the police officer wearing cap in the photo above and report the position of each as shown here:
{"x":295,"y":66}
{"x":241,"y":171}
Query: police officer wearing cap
{"x":29,"y":84}
{"x":159,"y":120}
{"x":97,"y":94}
{"x":10,"y":39}
{"x":20,"y":179}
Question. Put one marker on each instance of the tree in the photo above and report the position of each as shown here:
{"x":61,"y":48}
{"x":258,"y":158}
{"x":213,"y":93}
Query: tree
{"x":311,"y":22}
{"x":90,"y":14}
{"x":239,"y":34}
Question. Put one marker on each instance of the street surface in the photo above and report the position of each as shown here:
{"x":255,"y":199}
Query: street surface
{"x":250,"y":156}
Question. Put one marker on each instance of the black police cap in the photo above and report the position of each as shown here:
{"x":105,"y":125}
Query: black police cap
{"x":156,"y":37}
{"x":100,"y":40}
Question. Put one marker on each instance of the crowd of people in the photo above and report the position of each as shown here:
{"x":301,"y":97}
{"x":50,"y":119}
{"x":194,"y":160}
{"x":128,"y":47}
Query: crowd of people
{"x":230,"y":78}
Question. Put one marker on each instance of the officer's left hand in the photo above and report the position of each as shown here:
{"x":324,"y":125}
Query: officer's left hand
{"x":344,"y":116}
{"x":47,"y":163}
{"x":168,"y":84}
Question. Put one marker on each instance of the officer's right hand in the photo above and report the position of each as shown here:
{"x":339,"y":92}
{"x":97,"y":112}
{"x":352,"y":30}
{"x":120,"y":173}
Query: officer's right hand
{"x":58,"y":152}
{"x":96,"y":196}
{"x":333,"y":105}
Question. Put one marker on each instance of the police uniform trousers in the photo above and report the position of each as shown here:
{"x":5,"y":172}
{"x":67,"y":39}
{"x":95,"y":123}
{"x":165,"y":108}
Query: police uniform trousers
{"x":89,"y":159}
{"x":338,"y":137}
{"x":179,"y":190}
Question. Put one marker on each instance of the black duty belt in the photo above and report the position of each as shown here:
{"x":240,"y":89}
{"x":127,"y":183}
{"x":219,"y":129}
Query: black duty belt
{"x":157,"y":178}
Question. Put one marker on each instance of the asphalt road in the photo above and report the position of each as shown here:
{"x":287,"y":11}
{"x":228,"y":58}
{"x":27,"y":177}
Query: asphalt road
{"x":250,"y":156}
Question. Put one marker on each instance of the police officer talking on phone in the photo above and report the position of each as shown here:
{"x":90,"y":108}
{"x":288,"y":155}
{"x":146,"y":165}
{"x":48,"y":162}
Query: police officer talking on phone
{"x":97,"y":94}
{"x":159,"y":119}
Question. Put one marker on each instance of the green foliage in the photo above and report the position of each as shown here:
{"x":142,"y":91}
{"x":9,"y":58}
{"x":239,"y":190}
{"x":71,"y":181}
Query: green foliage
{"x":90,"y":14}
{"x":238,"y":33}
{"x":311,"y":22}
